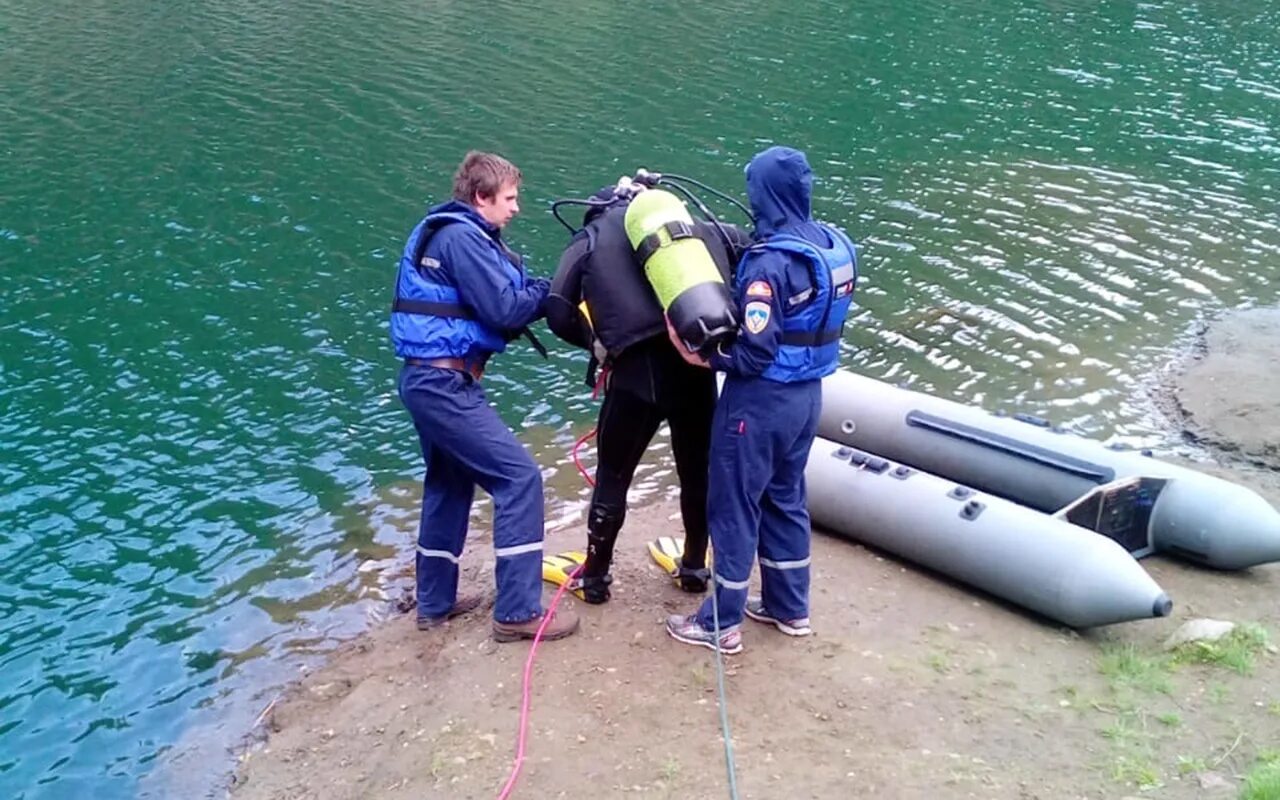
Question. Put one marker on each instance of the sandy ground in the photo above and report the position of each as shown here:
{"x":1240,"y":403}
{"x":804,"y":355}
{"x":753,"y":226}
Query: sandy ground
{"x":1229,"y":399}
{"x":912,"y":686}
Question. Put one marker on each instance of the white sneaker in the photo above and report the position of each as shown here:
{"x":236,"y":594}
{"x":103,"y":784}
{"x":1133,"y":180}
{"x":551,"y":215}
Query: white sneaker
{"x":791,"y":627}
{"x":687,"y":630}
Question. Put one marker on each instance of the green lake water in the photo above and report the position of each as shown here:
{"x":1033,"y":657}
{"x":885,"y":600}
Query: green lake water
{"x":206,"y":480}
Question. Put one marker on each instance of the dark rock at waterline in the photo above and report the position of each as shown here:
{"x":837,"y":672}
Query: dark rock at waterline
{"x":1229,"y":396}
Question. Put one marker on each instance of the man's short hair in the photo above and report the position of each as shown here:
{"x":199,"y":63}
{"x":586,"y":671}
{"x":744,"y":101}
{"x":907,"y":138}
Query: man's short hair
{"x":483,"y":175}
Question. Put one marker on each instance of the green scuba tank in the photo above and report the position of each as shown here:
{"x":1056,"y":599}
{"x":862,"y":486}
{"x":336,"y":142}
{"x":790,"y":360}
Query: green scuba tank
{"x":679,"y":267}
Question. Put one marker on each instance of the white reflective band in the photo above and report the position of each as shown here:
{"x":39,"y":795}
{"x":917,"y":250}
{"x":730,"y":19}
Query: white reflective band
{"x":797,"y":299}
{"x":728,"y":584}
{"x":519,"y":549}
{"x":841,"y":275}
{"x":801,"y":564}
{"x":445,"y":554}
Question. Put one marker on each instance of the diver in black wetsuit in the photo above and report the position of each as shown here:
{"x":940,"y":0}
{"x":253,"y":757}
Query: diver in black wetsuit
{"x":601,"y":301}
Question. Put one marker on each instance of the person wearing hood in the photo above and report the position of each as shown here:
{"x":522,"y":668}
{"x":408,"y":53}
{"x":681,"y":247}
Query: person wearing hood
{"x":461,"y":295}
{"x":646,"y":381}
{"x":794,"y":287}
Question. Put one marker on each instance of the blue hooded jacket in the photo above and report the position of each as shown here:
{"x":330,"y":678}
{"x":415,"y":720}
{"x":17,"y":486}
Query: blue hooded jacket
{"x":795,"y":285}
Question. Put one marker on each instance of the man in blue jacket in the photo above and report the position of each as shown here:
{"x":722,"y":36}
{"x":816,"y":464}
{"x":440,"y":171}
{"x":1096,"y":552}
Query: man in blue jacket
{"x":794,"y":287}
{"x":461,"y":295}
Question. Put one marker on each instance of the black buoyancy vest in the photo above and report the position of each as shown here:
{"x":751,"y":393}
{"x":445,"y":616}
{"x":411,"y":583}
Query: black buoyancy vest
{"x":564,"y":318}
{"x":622,"y":305}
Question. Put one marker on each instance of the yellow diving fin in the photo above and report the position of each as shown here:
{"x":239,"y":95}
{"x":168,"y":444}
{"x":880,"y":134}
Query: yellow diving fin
{"x":557,"y":568}
{"x":667,"y":552}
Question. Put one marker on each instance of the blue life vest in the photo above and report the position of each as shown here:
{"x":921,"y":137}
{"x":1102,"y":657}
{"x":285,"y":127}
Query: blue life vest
{"x":428,"y":319}
{"x":813,"y":320}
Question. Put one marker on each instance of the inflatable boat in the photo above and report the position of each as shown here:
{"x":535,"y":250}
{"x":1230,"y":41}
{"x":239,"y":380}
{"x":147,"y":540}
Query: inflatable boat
{"x":1144,"y":504}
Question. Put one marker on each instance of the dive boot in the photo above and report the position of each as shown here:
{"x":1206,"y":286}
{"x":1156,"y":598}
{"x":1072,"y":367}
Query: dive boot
{"x":593,"y":589}
{"x":693,"y":581}
{"x":668,"y":553}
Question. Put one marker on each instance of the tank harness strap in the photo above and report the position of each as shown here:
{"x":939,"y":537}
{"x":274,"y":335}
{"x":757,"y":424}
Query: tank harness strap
{"x":676,"y":229}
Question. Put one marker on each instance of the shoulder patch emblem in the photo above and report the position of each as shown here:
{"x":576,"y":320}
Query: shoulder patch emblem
{"x":757,"y":316}
{"x":759,"y":289}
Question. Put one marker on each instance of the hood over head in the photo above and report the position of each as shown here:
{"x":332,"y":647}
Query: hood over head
{"x":779,"y":188}
{"x":605,"y":198}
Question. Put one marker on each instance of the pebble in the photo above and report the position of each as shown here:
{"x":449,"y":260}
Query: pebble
{"x":1214,"y":781}
{"x":1199,"y":630}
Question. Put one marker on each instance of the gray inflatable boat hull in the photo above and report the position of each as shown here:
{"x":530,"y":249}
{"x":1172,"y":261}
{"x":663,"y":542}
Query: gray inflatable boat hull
{"x":1141,"y":502}
{"x":1040,"y":562}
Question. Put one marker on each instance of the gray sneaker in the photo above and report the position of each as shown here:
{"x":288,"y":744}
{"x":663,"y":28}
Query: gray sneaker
{"x":791,"y":627}
{"x":690,"y":631}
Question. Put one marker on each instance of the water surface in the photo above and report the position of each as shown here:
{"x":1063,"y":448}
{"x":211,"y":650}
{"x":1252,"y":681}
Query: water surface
{"x":203,"y":466}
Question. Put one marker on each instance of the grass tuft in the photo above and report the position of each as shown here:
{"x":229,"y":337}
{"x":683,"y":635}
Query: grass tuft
{"x":1124,"y":665}
{"x":1140,"y":772}
{"x":1262,"y":782}
{"x":1124,"y":732}
{"x":1189,"y":766}
{"x":670,"y":769}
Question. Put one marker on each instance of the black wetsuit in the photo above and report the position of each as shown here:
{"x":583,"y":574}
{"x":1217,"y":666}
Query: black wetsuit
{"x":648,"y":383}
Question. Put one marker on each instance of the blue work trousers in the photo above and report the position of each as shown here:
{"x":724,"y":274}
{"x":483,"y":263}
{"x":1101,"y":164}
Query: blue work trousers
{"x":464,"y":444}
{"x":760,"y":440}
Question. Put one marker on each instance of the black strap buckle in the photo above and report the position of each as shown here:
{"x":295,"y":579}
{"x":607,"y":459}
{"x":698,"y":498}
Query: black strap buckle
{"x":676,"y":229}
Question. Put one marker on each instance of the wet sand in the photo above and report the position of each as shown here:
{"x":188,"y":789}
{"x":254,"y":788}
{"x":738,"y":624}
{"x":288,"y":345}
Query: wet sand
{"x":1228,"y":395}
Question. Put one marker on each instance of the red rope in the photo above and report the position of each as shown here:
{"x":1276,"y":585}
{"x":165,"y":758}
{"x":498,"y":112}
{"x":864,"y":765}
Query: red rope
{"x":595,"y":392}
{"x":528,"y":675}
{"x":586,"y":476}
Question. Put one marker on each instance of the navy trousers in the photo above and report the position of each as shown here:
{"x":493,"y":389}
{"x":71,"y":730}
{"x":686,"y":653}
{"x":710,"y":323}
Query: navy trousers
{"x":464,"y":444}
{"x":760,"y":440}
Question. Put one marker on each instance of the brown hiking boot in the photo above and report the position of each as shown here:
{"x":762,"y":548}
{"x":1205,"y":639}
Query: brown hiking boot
{"x":563,"y":623}
{"x":465,"y":603}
